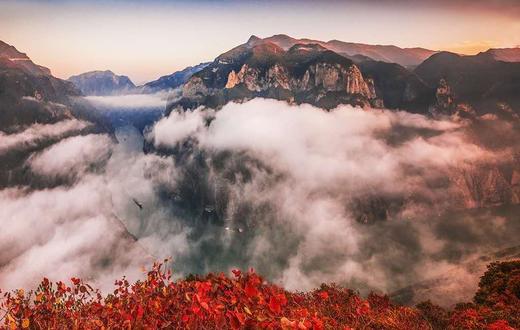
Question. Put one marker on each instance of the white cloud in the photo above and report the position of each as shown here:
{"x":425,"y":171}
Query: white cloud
{"x":71,"y":156}
{"x":37,"y":133}
{"x":177,"y":127}
{"x":129,"y":102}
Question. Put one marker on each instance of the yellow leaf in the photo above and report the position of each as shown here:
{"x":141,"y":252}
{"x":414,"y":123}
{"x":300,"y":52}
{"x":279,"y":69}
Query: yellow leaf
{"x":25,"y":323}
{"x":285,"y":323}
{"x":247,"y":310}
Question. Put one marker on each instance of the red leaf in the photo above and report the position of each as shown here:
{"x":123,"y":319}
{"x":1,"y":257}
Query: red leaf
{"x":140,"y":312}
{"x":324,"y":295}
{"x":274,"y":305}
{"x":251,"y":290}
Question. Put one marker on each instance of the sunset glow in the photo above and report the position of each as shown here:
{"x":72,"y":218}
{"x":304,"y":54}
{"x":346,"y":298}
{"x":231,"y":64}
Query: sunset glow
{"x":148,"y":40}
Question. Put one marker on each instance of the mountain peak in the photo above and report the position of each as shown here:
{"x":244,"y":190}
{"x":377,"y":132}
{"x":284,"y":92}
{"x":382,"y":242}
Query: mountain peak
{"x":20,"y":60}
{"x":253,"y":39}
{"x":102,"y":82}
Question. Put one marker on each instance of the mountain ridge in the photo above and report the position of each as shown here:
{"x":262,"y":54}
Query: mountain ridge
{"x":278,"y":68}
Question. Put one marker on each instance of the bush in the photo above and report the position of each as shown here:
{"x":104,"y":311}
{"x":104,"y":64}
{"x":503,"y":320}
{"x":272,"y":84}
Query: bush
{"x":243,"y":301}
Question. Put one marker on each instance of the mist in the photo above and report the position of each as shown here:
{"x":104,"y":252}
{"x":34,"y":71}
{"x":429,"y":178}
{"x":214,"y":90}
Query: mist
{"x":365,"y":198}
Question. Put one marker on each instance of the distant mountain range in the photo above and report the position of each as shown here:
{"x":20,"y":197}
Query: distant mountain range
{"x":384,"y":53}
{"x":327,"y":74}
{"x":505,"y":54}
{"x":171,"y":81}
{"x":334,"y":72}
{"x":102,"y":83}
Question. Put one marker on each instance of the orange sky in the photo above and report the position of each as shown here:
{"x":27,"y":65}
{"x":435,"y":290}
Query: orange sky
{"x":145,"y":41}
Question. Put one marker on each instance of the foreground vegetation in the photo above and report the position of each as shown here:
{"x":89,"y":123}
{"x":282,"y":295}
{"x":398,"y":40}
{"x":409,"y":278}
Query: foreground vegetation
{"x":246,"y":301}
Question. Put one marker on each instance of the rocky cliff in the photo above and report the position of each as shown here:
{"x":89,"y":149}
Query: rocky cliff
{"x":302,"y":74}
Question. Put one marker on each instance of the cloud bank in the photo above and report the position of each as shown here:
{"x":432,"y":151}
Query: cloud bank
{"x":132,"y":101}
{"x":369,"y":199}
{"x":295,"y":189}
{"x":36,"y":133}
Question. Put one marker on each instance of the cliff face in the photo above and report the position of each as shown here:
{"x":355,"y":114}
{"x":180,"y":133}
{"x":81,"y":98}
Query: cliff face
{"x":323,"y":76}
{"x":303,"y":74}
{"x":485,"y":185}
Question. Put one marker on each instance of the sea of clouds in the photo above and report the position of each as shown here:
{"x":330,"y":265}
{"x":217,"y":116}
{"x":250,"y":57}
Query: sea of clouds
{"x":305,"y":196}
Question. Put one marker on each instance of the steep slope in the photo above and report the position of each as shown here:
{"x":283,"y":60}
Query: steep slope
{"x":385,"y":53}
{"x":11,"y":57}
{"x":28,"y":92}
{"x":480,"y":81}
{"x":102,"y":83}
{"x":398,"y":87}
{"x":171,"y":81}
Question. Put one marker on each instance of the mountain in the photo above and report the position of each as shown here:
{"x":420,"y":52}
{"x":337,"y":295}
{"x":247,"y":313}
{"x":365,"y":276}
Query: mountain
{"x":102,"y":83}
{"x":303,"y":73}
{"x":173,"y":80}
{"x":37,"y":109}
{"x":480,"y":82}
{"x":10,"y":57}
{"x":398,"y":87}
{"x":28,"y":92}
{"x":505,"y":54}
{"x":385,"y":53}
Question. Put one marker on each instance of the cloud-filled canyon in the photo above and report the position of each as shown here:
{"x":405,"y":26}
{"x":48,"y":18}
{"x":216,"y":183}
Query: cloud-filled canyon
{"x":372,"y":198}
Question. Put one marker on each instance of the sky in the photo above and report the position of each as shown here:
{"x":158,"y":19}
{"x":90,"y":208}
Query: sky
{"x":146,"y":40}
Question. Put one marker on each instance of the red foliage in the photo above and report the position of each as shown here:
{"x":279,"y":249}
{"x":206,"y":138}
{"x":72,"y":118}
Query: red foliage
{"x":217,"y":301}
